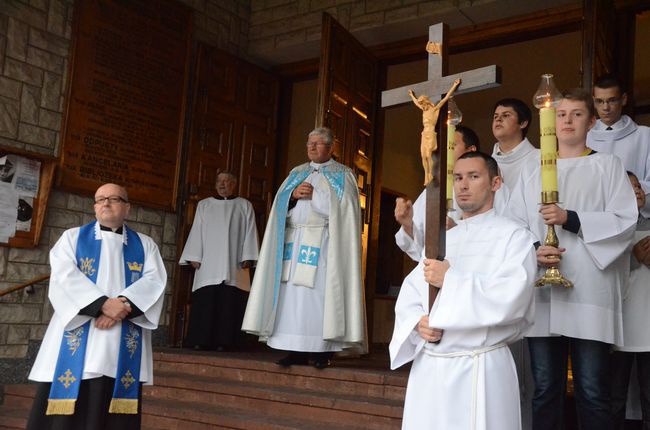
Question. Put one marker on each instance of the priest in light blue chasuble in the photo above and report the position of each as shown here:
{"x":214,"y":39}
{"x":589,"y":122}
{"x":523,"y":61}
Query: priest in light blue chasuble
{"x":307,"y":296}
{"x":107,"y":288}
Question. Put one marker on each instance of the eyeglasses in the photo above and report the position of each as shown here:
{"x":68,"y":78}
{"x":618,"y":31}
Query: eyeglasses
{"x":611,"y":101}
{"x":111,"y":200}
{"x":316,"y":144}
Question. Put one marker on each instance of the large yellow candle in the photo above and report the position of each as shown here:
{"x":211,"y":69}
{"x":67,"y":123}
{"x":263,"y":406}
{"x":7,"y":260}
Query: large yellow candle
{"x":451,"y":132}
{"x":548,"y":149}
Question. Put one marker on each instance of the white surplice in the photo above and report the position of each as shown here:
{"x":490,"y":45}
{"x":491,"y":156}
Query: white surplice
{"x":511,"y":164}
{"x":631,"y":143}
{"x":468,"y":381}
{"x":597,"y":188}
{"x":223,"y":235}
{"x":70,"y":291}
{"x":636,"y":304}
{"x":414,"y":246}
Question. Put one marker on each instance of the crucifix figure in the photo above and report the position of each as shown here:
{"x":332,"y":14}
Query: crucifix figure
{"x":438,"y":83}
{"x":428,"y":142}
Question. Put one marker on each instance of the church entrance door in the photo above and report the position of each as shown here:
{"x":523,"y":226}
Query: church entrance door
{"x":233,"y":127}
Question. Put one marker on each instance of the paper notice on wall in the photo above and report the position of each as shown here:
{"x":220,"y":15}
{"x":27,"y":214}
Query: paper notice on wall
{"x":8,"y":211}
{"x":25,"y":212}
{"x":27,"y":176}
{"x":22,"y":173}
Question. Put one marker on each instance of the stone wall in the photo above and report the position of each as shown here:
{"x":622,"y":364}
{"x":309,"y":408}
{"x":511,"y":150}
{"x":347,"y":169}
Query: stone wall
{"x":277,"y":23}
{"x":35,"y":39}
{"x":222,"y":23}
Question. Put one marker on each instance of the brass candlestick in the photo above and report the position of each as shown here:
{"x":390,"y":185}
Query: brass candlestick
{"x":552,"y":276}
{"x":546,"y":98}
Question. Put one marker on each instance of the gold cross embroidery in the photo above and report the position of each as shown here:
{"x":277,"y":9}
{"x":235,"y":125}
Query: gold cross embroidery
{"x":127,"y":379}
{"x":68,"y":379}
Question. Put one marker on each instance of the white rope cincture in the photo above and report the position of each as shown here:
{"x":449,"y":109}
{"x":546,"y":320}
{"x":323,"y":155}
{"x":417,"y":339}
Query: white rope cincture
{"x":474,"y":354}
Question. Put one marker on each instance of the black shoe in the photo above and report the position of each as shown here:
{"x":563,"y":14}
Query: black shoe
{"x":321,"y":364}
{"x":322,"y":359}
{"x":292,"y":358}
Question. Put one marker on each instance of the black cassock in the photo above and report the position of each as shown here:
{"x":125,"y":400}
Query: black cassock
{"x":216,"y":317}
{"x":91,"y":409}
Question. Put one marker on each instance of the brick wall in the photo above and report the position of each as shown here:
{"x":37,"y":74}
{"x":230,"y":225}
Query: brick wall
{"x":35,"y":39}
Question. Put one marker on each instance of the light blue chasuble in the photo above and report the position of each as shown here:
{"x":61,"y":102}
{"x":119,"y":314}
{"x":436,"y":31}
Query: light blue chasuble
{"x":70,"y":363}
{"x":335,"y":175}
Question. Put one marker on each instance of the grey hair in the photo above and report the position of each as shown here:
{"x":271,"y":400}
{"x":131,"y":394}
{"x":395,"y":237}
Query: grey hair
{"x":323,"y":132}
{"x":231,"y":175}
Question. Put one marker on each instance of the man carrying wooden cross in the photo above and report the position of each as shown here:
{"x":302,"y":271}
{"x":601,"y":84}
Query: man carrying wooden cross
{"x":468,"y":379}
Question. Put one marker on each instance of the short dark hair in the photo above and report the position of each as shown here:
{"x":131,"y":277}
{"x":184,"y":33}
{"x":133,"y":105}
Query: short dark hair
{"x":490,"y":163}
{"x":469,"y":137}
{"x":581,"y":95}
{"x":609,"y":81}
{"x":521,"y":109}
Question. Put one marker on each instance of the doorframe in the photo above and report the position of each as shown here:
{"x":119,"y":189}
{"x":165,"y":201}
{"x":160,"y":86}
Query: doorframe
{"x":526,"y":27}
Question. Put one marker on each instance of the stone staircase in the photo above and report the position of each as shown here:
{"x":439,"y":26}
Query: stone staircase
{"x":201,"y":390}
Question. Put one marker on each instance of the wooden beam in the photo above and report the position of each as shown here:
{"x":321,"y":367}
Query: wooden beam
{"x":299,"y":70}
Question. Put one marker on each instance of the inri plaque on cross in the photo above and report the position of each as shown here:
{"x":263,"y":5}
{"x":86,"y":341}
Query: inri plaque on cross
{"x":437,"y":84}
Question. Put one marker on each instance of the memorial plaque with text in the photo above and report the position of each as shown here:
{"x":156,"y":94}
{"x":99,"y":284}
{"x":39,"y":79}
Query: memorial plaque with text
{"x":126,"y":97}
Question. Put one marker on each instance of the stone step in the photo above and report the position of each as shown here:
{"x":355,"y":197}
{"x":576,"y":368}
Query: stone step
{"x":337,"y":380}
{"x":172,"y":415}
{"x":13,"y":418}
{"x":215,"y":391}
{"x":19,"y":395}
{"x":202,"y":390}
{"x":286,"y":410}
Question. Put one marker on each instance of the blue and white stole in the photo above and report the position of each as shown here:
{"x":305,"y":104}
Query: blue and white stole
{"x":70,"y":363}
{"x":335,"y":175}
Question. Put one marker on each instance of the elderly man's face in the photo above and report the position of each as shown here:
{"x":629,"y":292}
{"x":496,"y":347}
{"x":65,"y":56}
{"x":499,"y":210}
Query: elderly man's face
{"x":111,"y":205}
{"x":225,"y":185}
{"x":317,"y":150}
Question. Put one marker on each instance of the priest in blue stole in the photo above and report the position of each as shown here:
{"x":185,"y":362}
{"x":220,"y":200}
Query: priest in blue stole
{"x":307,"y":297}
{"x":107,"y":288}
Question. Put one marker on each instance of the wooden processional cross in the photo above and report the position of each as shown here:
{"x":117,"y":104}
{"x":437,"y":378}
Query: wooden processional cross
{"x":435,"y":86}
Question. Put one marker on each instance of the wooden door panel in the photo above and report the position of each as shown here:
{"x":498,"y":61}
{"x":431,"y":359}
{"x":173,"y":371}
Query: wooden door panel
{"x":598,"y":40}
{"x":234,"y":129}
{"x":340,"y":58}
{"x":347,"y":94}
{"x":257,"y":168}
{"x":362,"y":137}
{"x":363,"y":79}
{"x":335,"y":120}
{"x":219,"y":76}
{"x":262,"y":95}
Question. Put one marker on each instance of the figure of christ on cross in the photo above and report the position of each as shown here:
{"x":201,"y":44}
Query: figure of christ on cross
{"x":428,"y":142}
{"x":436,"y":84}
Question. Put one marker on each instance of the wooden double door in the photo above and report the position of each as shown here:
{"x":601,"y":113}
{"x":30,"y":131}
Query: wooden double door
{"x":234,"y":127}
